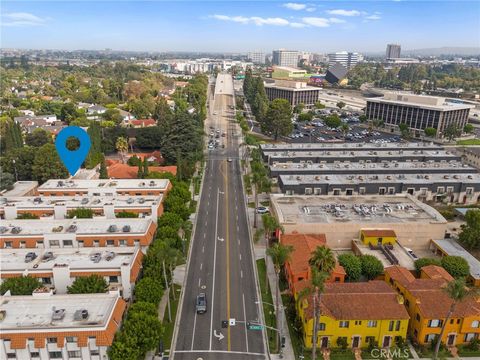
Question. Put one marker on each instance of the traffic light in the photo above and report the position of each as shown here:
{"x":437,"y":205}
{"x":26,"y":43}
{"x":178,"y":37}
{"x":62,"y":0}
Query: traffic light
{"x":282,"y":341}
{"x":224,"y":324}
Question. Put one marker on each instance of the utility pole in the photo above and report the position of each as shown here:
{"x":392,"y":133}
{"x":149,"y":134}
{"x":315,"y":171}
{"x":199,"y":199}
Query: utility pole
{"x":167,"y":289}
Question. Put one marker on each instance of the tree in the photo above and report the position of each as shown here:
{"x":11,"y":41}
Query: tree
{"x":341,"y":104}
{"x":362,"y":118}
{"x":149,"y":137}
{"x":91,"y":284}
{"x":6,"y":181}
{"x":124,"y":347}
{"x":162,"y":110}
{"x":280,"y":254}
{"x":47,"y":164}
{"x":305,"y":116}
{"x":333,"y":121}
{"x":145,"y":168}
{"x":103,"y":170}
{"x":297,"y":109}
{"x":319,"y":105}
{"x":345,"y":129}
{"x":24,"y":285}
{"x":323,"y":259}
{"x":68,"y":112}
{"x":11,"y":134}
{"x":80,"y":213}
{"x":170,"y":219}
{"x":457,"y":291}
{"x":261,"y":183}
{"x":38,"y":137}
{"x":278,"y":120}
{"x":140,"y":171}
{"x":430,"y":131}
{"x":470,"y":235}
{"x":451,"y":132}
{"x":126,"y":214}
{"x":468,"y":128}
{"x":456,"y":266}
{"x":145,"y":329}
{"x":149,"y":290}
{"x":371,"y":266}
{"x":112,"y":115}
{"x":420,"y":263}
{"x":121,"y":145}
{"x":352,"y":266}
{"x":143,"y":307}
{"x":19,"y":162}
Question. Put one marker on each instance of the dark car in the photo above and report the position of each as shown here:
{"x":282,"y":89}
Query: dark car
{"x":201,"y":303}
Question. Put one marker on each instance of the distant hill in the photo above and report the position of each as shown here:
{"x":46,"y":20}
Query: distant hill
{"x":463,"y":51}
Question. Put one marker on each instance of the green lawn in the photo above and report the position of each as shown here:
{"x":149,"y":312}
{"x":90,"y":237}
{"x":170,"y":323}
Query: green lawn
{"x":466,"y":352}
{"x":268,"y":310}
{"x":469,"y":142}
{"x":168,"y":326}
{"x":426,"y":352}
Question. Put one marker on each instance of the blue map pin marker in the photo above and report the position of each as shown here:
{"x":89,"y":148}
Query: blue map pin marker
{"x":72,"y":159}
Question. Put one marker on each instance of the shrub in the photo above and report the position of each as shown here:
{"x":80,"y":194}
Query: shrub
{"x":126,"y":214}
{"x":149,"y":290}
{"x":473,"y":345}
{"x":371,"y":266}
{"x":352,"y":265}
{"x":24,"y":285}
{"x":342,"y":342}
{"x":88,"y":285}
{"x":456,"y":266}
{"x":27,"y":216}
{"x":425,"y":262}
{"x":80,"y":213}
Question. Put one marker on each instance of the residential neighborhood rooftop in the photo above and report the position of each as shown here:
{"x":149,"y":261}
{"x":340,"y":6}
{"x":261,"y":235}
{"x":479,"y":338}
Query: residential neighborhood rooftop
{"x":453,"y":248}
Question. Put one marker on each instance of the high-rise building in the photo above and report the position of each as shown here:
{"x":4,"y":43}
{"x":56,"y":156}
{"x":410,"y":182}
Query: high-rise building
{"x":393,"y":51}
{"x":257,"y":57}
{"x":347,"y":59}
{"x":284,"y":57}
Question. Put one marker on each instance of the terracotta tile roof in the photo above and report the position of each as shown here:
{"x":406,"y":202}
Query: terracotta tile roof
{"x":379,"y":233}
{"x":304,"y":245}
{"x":373,"y":300}
{"x":400,"y":274}
{"x":436,"y":272}
{"x":125,"y":171}
{"x":143,"y":122}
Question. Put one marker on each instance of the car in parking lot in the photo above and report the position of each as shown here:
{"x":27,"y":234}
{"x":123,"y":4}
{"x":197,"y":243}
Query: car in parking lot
{"x":263,"y":210}
{"x":201,"y":303}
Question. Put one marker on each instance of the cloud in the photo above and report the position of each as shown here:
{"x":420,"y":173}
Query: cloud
{"x":342,"y":12}
{"x":257,"y":20}
{"x":22,"y":19}
{"x":373,"y":17}
{"x":310,"y":9}
{"x":294,"y":6}
{"x":297,"y":25}
{"x":336,"y":21}
{"x":316,"y":21}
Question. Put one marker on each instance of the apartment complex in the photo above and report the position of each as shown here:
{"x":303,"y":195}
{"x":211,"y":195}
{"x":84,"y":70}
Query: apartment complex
{"x":427,"y":303}
{"x":342,"y":218}
{"x":284,"y":57}
{"x":77,"y":233}
{"x":132,"y":187}
{"x":471,"y":156}
{"x":418,"y":112}
{"x":357,"y":314}
{"x":46,"y":326}
{"x":57,"y":268}
{"x":347,"y":59}
{"x":393,"y":51}
{"x":257,"y":57}
{"x":295,"y":92}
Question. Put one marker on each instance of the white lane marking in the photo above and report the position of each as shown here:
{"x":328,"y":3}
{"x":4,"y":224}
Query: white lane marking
{"x":203,"y":249}
{"x":219,"y":352}
{"x":194,"y":324}
{"x":238,"y":241}
{"x":204,"y":235}
{"x":238,"y":229}
{"x":241,"y":274}
{"x":199,"y":281}
{"x":208,"y":203}
{"x":240,"y":255}
{"x":245,"y":317}
{"x":201,"y":266}
{"x":214,"y":266}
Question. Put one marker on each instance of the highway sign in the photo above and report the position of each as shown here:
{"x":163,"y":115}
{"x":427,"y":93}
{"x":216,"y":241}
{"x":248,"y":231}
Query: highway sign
{"x":253,"y":326}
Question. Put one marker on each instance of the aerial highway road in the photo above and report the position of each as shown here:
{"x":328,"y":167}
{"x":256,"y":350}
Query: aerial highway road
{"x":220,"y":263}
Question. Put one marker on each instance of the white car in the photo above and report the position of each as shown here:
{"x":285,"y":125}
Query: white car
{"x":262,"y":210}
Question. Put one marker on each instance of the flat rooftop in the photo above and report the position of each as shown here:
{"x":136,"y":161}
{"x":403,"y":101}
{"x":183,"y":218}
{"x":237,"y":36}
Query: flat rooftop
{"x":400,"y":254}
{"x":421,"y":101}
{"x":348,"y":146}
{"x":117,"y":184}
{"x":35,"y":312}
{"x":362,"y":209}
{"x":48,"y":202}
{"x":290,"y":88}
{"x":77,"y":226}
{"x":21,"y":187}
{"x":424,"y":166}
{"x":274,"y":153}
{"x":299,"y":179}
{"x":78,"y":259}
{"x":453,"y":248}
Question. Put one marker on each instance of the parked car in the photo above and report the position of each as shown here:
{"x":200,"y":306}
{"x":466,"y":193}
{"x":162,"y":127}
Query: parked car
{"x":262,"y":210}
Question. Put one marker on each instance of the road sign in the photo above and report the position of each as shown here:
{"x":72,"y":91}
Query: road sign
{"x":254,"y":326}
{"x":232,"y":322}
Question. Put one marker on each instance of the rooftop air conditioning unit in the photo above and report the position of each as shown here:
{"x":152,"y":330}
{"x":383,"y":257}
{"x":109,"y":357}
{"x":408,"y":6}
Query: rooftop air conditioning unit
{"x":58,"y":314}
{"x":80,"y":314}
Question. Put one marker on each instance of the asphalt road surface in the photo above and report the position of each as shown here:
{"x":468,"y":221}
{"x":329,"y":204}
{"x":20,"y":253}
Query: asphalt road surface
{"x":221,"y":263}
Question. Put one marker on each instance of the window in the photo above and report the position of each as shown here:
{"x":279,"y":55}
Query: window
{"x":67,"y":243}
{"x":94,"y":353}
{"x":391,"y":191}
{"x":71,"y":339}
{"x":54,"y":243}
{"x":308,"y":191}
{"x":397,"y":326}
{"x":113,"y":279}
{"x":410,"y":191}
{"x":122,"y":242}
{"x":430,"y":337}
{"x":80,"y":243}
{"x":407,"y":303}
{"x":110,"y":243}
{"x":11,"y":356}
{"x":452,"y":321}
{"x":136,"y":242}
{"x":382,"y":191}
{"x":372,"y":323}
{"x":344,"y":324}
{"x":434,"y":323}
{"x":39,"y":244}
{"x":469,"y":191}
{"x":46,"y":281}
{"x":358,"y":322}
{"x":55,"y":355}
{"x":440,"y":189}
{"x":34,"y":354}
{"x":370,"y":339}
{"x":75,"y":354}
{"x":458,"y":321}
{"x":8,"y":244}
{"x":322,"y":327}
{"x":361,"y":191}
{"x":336,"y":192}
{"x":470,"y":337}
{"x":349,"y":192}
{"x":52,"y":340}
{"x":22,"y":244}
{"x":96,"y":243}
{"x":391,"y":324}
{"x":475,"y":323}
{"x":417,"y":317}
{"x":317,"y":191}
{"x":337,"y":279}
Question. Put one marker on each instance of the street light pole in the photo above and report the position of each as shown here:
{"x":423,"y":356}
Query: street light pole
{"x":280,"y":310}
{"x":15,"y":169}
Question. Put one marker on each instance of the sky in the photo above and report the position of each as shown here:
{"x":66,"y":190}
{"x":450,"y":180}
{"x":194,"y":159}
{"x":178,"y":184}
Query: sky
{"x":239,"y":26}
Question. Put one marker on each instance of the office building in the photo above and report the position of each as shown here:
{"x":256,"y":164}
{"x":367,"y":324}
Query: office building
{"x":58,"y":207}
{"x":295,"y":92}
{"x":57,"y":268}
{"x":44,"y":326}
{"x":257,"y":57}
{"x":342,"y":218}
{"x":284,"y":72}
{"x":336,"y":73}
{"x":77,"y":233}
{"x":347,"y":59}
{"x":393,"y":51}
{"x":470,"y":155}
{"x":284,"y":57}
{"x":109,"y":187}
{"x":417,"y":112}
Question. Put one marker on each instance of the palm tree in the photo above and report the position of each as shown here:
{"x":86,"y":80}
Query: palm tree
{"x":270,"y":224}
{"x":457,"y":291}
{"x":316,"y":288}
{"x":122,"y":146}
{"x":261,"y":182}
{"x":323,"y":259}
{"x":280,"y":254}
